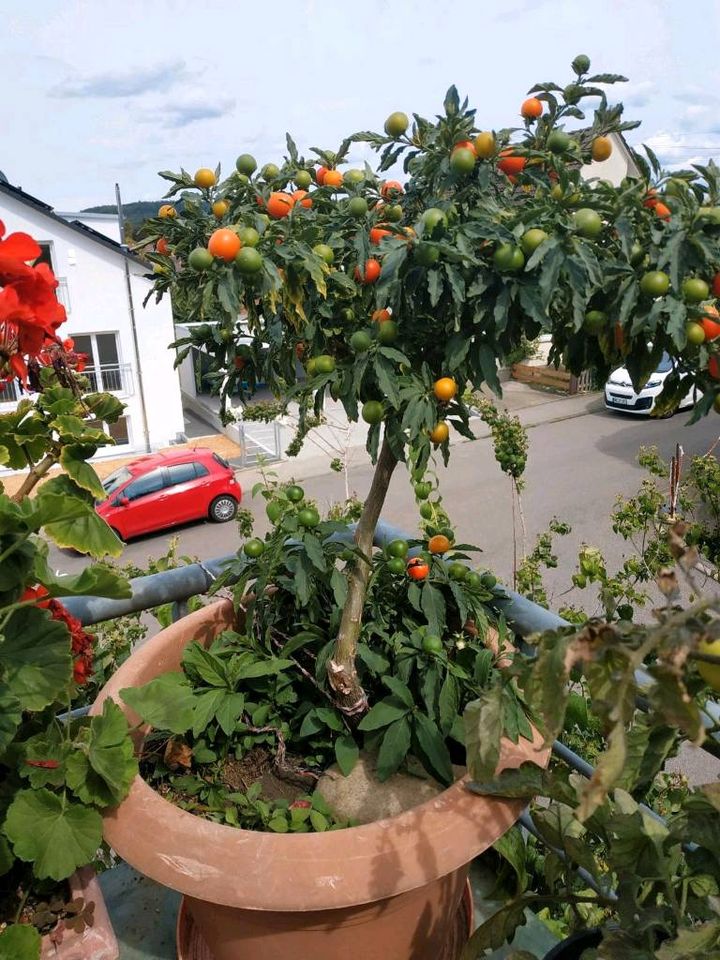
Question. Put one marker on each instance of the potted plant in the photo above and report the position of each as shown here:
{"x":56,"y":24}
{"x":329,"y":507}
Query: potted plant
{"x":56,"y":771}
{"x":391,"y":298}
{"x":648,"y":883}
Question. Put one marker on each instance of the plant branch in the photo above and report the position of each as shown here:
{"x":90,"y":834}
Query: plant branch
{"x":342,"y":675}
{"x":34,"y":476}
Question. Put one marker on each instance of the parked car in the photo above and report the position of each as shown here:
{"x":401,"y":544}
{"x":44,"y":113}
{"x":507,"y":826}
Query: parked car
{"x":164,"y":489}
{"x":620,"y":394}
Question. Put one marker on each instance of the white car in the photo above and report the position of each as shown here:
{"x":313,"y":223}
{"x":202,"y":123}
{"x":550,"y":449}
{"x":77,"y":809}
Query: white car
{"x":620,"y":394}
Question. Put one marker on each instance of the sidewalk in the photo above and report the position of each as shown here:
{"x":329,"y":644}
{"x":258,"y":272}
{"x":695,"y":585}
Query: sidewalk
{"x":533,"y":407}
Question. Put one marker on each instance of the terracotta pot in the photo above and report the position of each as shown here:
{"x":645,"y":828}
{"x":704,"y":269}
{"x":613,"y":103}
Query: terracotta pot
{"x":94,"y":943}
{"x":383,"y":891}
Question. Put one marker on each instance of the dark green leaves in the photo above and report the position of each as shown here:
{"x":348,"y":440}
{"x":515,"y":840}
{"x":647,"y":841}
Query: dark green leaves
{"x":431,"y":748}
{"x":102,"y":772}
{"x":394,"y":748}
{"x":383,"y":713}
{"x":20,"y":941}
{"x":166,"y":703}
{"x":35,"y":659}
{"x":53,"y":832}
{"x":346,"y":753}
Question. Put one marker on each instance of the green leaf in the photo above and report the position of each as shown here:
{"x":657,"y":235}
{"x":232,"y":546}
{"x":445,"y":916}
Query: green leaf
{"x":495,"y":932}
{"x":207,"y":703}
{"x":346,"y":753}
{"x":77,"y":467}
{"x":483,"y":728}
{"x":105,"y":406}
{"x":72,"y":522}
{"x":432,"y":749}
{"x":448,"y":703}
{"x":433,"y":605}
{"x":524,"y":782}
{"x":394,"y":748}
{"x":511,"y":847}
{"x":6,"y":857}
{"x":374,"y":661}
{"x":228,"y":712}
{"x":339,"y":587}
{"x":383,"y":714}
{"x":314,"y":550}
{"x":691,"y":943}
{"x":400,"y":690}
{"x":10,"y":715}
{"x":208,"y":666}
{"x":20,"y":941}
{"x":47,"y":745}
{"x":110,"y":751}
{"x":166,"y":703}
{"x":93,"y":581}
{"x":387,"y":380}
{"x":54,"y":833}
{"x":35,"y":658}
{"x":435,"y":286}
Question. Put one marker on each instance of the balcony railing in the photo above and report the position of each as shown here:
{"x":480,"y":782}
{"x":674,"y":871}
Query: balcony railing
{"x":111,"y":378}
{"x":108,"y":378}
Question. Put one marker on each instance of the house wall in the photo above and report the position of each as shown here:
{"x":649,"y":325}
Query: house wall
{"x":93,"y":289}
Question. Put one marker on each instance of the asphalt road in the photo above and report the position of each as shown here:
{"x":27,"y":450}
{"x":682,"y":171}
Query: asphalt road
{"x":576,"y":469}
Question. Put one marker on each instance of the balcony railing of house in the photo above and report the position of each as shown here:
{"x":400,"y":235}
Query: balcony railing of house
{"x":111,"y":378}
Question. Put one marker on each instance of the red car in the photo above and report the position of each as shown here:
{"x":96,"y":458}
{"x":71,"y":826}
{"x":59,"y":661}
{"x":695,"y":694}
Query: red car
{"x":164,"y":489}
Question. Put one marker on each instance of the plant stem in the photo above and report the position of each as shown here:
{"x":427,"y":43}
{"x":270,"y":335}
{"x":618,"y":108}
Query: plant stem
{"x":34,"y":476}
{"x":350,"y":696}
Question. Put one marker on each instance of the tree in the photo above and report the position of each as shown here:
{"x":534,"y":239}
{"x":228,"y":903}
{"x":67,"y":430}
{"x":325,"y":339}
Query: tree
{"x":394,"y":297}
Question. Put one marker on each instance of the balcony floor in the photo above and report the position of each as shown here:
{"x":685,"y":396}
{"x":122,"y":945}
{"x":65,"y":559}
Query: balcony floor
{"x":144,"y":914}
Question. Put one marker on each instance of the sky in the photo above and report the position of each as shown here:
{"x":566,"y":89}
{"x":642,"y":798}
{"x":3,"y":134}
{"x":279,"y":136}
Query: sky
{"x":99,"y":91}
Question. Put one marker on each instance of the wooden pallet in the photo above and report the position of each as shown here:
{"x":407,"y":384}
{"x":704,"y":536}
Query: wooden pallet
{"x":544,"y":376}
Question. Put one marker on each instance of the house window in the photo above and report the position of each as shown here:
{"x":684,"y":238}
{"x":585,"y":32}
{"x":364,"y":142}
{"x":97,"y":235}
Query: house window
{"x":45,"y":255}
{"x":103,"y":368}
{"x":119,"y":431}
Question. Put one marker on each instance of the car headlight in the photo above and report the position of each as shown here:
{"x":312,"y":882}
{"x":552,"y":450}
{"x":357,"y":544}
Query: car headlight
{"x":654,"y":383}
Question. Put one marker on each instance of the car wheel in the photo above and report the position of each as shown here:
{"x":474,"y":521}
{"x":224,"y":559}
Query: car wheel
{"x":223,"y":508}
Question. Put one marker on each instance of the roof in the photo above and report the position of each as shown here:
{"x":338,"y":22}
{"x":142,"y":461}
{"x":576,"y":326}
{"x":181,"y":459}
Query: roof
{"x":46,"y":210}
{"x":168,"y":457}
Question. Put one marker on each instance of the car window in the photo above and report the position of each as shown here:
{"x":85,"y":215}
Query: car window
{"x":201,"y":470}
{"x":150,"y":483}
{"x":181,"y":473}
{"x":116,"y":479}
{"x":665,"y":365}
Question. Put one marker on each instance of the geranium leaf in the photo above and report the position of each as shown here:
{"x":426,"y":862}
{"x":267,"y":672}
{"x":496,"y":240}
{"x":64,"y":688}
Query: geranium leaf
{"x":10,"y":716}
{"x":77,"y":467}
{"x":69,"y":519}
{"x":57,"y":835}
{"x":110,"y":750}
{"x":35,"y":658}
{"x":93,"y":581}
{"x":20,"y":942}
{"x":6,"y":857}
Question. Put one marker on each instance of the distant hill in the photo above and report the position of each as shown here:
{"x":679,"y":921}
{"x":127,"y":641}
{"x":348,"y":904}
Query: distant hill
{"x":135,"y":213}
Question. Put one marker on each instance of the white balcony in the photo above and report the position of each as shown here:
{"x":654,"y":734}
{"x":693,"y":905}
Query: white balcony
{"x":114,"y":378}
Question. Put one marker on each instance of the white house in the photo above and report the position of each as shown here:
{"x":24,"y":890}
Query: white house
{"x":102,"y":286}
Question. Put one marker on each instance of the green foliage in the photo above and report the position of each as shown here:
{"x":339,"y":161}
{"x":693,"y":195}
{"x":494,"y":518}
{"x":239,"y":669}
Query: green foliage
{"x":56,"y":775}
{"x":456,"y":312}
{"x":264,"y":688}
{"x":588,"y":683}
{"x":529,"y":580}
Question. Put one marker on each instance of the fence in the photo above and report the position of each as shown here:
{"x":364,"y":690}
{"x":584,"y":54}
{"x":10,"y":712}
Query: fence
{"x":542,"y":375}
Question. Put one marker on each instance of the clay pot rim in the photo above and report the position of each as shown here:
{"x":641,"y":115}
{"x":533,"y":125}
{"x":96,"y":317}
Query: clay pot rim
{"x":294,"y":872}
